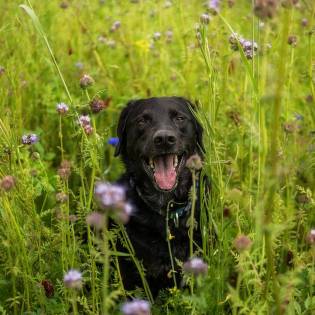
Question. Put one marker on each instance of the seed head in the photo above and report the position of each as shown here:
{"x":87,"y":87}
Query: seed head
{"x":242,"y":243}
{"x":195,"y":266}
{"x":97,"y":105}
{"x":7,"y":183}
{"x":86,"y":81}
{"x":310,"y":238}
{"x":136,"y":307}
{"x":73,"y":279}
{"x":62,"y":108}
{"x":194,"y":162}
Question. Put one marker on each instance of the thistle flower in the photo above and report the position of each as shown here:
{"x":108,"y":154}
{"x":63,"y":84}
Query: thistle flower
{"x":96,"y":220}
{"x":86,"y":81}
{"x":30,"y":139}
{"x":97,"y":104}
{"x":64,"y":169}
{"x":84,"y":120}
{"x":62,"y":108}
{"x":73,"y":279}
{"x":7,"y":183}
{"x":113,"y":141}
{"x":195,"y":266}
{"x":242,"y":243}
{"x":136,"y":307}
{"x":310,"y":238}
{"x":205,"y":18}
{"x":194,"y":162}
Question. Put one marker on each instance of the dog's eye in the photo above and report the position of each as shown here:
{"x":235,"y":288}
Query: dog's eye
{"x":141,"y":122}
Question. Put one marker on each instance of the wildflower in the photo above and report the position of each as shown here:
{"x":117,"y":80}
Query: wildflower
{"x":195,"y":266}
{"x":73,"y":279}
{"x":169,"y":36}
{"x":205,"y":18}
{"x":62,"y":197}
{"x":7,"y":182}
{"x":30,"y":138}
{"x":97,"y":104}
{"x":156,"y":36}
{"x":48,"y":288}
{"x":136,"y":307}
{"x":84,"y":120}
{"x":109,"y":194}
{"x":167,"y":4}
{"x":79,"y":65}
{"x":213,"y":6}
{"x":249,"y":47}
{"x":86,"y":81}
{"x":62,"y":108}
{"x":96,"y":220}
{"x":194,"y":162}
{"x":64,"y":169}
{"x":113,"y":141}
{"x":2,"y":70}
{"x":265,"y":8}
{"x":88,"y":129}
{"x":116,"y":25}
{"x":310,"y":238}
{"x":304,"y":22}
{"x":242,"y":243}
{"x":292,"y":40}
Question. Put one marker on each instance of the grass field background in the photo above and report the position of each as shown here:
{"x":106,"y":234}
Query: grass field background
{"x":258,"y":117}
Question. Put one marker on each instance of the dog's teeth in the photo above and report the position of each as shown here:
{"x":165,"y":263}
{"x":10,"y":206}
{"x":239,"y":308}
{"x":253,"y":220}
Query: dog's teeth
{"x":151,"y":163}
{"x":175,"y":160}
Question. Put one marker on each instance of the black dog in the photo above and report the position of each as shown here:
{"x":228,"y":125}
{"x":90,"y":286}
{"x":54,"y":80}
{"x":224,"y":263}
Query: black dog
{"x":156,"y":137}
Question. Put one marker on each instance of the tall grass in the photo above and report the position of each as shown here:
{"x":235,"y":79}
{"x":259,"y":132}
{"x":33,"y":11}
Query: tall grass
{"x":258,"y":117}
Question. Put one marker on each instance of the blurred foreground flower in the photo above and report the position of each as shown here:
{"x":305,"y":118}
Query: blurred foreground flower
{"x":62,"y":197}
{"x":86,"y":81}
{"x":112,"y":197}
{"x":310,"y":238}
{"x":113,"y":141}
{"x":195,"y":266}
{"x":62,"y":108}
{"x":96,"y":220}
{"x":242,"y":243}
{"x":73,"y":279}
{"x":7,"y":182}
{"x":30,"y":138}
{"x":213,"y":6}
{"x":136,"y":307}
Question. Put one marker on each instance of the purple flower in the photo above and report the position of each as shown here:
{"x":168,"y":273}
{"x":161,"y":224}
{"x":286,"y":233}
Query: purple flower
{"x":62,"y":108}
{"x":213,"y":5}
{"x":30,"y":138}
{"x":116,"y":25}
{"x":73,"y":279}
{"x":195,"y":266}
{"x":136,"y":307}
{"x":109,"y":195}
{"x":84,"y":120}
{"x":96,"y":220}
{"x":113,"y":141}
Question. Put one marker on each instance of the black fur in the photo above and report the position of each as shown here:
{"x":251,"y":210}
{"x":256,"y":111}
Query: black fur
{"x":139,"y":122}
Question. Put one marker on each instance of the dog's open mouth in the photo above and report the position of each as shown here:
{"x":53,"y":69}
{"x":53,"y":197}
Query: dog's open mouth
{"x":164,"y":169}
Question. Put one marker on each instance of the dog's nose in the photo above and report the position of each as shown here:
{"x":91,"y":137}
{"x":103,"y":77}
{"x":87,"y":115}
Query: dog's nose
{"x":164,"y":137}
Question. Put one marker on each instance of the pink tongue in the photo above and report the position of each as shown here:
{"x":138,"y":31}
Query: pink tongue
{"x":164,"y":171}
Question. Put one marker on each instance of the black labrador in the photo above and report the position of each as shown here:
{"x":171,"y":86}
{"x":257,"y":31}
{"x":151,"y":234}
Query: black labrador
{"x":156,"y":137}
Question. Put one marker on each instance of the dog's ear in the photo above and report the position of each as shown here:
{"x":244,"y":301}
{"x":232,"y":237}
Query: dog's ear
{"x":198,"y":127}
{"x":121,"y":128}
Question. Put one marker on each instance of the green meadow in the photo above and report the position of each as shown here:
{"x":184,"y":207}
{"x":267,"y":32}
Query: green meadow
{"x":249,"y":68}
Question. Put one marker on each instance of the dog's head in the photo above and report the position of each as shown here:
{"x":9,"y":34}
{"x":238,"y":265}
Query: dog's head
{"x":156,"y":136}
